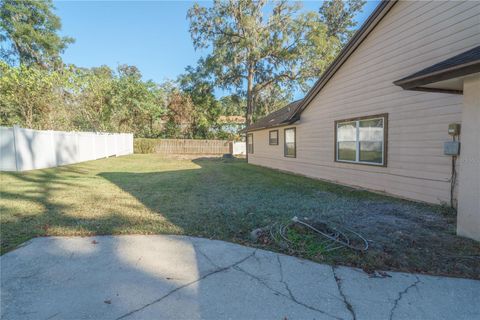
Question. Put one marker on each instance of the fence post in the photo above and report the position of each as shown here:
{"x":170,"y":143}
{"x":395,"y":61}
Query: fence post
{"x":94,"y":146}
{"x":77,"y":154}
{"x":54,"y":150}
{"x":105,"y":154}
{"x":15,"y":128}
{"x":116,"y":144}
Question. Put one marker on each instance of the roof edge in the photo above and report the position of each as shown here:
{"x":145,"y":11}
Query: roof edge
{"x":440,"y":75}
{"x":282,"y":124}
{"x":377,"y":15}
{"x":254,"y":126}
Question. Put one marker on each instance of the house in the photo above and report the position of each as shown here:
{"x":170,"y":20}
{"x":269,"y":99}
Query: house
{"x":231,"y":124}
{"x":388,"y":113}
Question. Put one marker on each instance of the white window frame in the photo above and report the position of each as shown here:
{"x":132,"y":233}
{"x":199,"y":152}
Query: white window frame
{"x":384,"y":118}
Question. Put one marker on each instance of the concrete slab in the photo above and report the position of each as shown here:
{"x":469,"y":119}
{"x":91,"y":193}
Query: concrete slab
{"x":175,"y":277}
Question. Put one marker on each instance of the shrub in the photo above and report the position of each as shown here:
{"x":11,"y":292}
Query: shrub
{"x":143,"y":145}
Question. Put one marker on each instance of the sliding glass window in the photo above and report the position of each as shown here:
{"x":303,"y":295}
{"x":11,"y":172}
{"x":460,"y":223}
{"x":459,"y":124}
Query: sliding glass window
{"x":250,"y":143}
{"x":361,"y":140}
{"x":290,"y":148}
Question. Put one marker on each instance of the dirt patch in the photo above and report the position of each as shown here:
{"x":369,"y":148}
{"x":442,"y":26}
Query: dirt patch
{"x":401,"y":236}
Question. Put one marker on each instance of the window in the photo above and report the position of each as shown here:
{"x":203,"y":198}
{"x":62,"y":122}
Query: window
{"x":290,"y":143}
{"x":361,"y":140}
{"x":273,"y":138}
{"x":250,"y":143}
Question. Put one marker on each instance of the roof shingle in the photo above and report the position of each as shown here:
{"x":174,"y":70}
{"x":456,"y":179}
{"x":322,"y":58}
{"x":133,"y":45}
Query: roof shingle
{"x":465,"y":63}
{"x":276,"y":118}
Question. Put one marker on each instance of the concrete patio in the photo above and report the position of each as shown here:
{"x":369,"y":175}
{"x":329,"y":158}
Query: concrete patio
{"x":175,"y":277}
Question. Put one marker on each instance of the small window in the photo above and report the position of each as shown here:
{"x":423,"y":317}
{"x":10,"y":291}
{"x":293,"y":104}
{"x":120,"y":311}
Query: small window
{"x":273,"y":138}
{"x":361,"y":140}
{"x":250,"y":143}
{"x":290,"y":149}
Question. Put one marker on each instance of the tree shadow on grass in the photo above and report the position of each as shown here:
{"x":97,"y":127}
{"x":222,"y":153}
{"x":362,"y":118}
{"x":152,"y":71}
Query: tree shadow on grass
{"x":227,"y":203}
{"x":226,"y":200}
{"x":108,"y":277}
{"x":221,"y":199}
{"x":39,"y":206}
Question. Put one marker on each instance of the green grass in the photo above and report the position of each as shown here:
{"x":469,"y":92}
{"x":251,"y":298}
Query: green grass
{"x":307,"y":243}
{"x":223,"y":199}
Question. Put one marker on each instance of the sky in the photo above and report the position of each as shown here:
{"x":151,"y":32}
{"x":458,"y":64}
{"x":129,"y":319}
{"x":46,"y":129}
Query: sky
{"x":152,"y":35}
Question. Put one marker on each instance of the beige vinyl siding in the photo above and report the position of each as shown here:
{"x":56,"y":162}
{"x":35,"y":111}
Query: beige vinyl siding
{"x":412,"y":36}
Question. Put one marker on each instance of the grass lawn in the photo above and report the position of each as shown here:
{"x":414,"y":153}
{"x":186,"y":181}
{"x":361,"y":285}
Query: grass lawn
{"x":227,"y":199}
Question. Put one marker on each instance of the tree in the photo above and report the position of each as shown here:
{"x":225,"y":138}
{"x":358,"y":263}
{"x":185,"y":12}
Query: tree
{"x":206,"y":109}
{"x":232,"y":105}
{"x":179,"y":115}
{"x":29,"y":32}
{"x":136,"y":104}
{"x":32,"y":97}
{"x":92,"y":98}
{"x":339,"y":15}
{"x":272,"y":98}
{"x":253,"y":51}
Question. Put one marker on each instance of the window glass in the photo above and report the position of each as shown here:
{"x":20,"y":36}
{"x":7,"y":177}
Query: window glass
{"x":361,"y":140}
{"x":347,"y":151}
{"x":371,"y":140}
{"x":346,"y":131}
{"x":250,"y":143}
{"x":346,"y":141}
{"x":290,"y":143}
{"x":273,"y":138}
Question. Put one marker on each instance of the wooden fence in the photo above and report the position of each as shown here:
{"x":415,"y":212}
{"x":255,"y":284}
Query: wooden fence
{"x":190,"y":146}
{"x":182,"y":146}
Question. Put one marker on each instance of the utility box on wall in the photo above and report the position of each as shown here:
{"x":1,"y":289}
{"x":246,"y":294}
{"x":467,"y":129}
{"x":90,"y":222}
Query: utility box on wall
{"x":454,"y":129}
{"x":451,"y":148}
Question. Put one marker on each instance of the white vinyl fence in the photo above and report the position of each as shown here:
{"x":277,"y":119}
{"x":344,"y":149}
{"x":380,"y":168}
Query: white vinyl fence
{"x":27,"y":149}
{"x":239,"y":148}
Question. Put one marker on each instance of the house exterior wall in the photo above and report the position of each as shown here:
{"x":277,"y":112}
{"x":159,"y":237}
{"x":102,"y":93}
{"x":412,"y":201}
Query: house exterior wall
{"x":468,"y":215}
{"x":412,"y":36}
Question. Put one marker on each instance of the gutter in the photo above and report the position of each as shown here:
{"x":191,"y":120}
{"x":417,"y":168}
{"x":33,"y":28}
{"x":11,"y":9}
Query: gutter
{"x":283,"y":124}
{"x":440,"y":75}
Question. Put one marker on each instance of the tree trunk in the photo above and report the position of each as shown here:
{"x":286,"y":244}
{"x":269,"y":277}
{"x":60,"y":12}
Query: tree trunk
{"x":249,"y":113}
{"x":250,"y":108}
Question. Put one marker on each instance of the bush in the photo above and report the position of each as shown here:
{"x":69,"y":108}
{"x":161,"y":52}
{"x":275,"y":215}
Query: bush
{"x":143,"y":145}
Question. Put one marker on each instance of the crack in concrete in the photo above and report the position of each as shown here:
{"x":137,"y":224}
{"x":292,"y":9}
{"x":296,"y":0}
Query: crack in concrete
{"x":348,"y":305}
{"x":400,"y":296}
{"x":290,"y":296}
{"x":53,"y":316}
{"x":138,"y":261}
{"x":282,"y":279}
{"x":257,"y":258}
{"x":288,"y":288}
{"x":186,"y":285}
{"x":200,"y":251}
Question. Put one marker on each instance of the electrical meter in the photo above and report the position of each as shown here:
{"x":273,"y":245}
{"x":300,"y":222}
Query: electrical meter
{"x":454,"y":129}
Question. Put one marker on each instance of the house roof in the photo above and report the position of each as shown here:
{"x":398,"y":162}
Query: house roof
{"x":231,"y":119}
{"x":377,"y":15}
{"x":463,"y":64}
{"x":277,"y":118}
